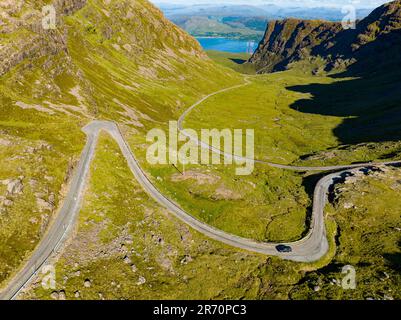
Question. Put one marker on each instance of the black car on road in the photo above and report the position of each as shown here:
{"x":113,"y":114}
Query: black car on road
{"x":283,"y":248}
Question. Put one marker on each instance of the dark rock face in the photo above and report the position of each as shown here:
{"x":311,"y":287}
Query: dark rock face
{"x":290,"y":40}
{"x":37,"y":42}
{"x":67,"y":7}
{"x":376,"y":42}
{"x":24,"y":38}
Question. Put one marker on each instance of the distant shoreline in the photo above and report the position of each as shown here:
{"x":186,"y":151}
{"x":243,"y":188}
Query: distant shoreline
{"x":209,"y":37}
{"x":226,"y":37}
{"x":227,"y":44}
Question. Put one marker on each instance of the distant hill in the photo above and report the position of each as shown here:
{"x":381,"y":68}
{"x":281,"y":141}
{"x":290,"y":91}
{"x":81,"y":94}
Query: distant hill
{"x":243,"y":21}
{"x":251,"y":28}
{"x":213,"y":10}
{"x":323,"y":13}
{"x":375,"y":42}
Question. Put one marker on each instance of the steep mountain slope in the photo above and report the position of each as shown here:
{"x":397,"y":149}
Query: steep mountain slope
{"x":128,"y":44}
{"x":375,"y":42}
{"x":118,"y":60}
{"x":290,"y":39}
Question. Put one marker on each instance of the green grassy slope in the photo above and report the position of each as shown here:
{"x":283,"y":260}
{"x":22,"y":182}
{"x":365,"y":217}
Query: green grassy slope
{"x":276,"y":207}
{"x":107,"y":63}
{"x":368,"y":238}
{"x":372,"y":45}
{"x":281,"y":134}
{"x":111,"y":65}
{"x":235,"y":61}
{"x":352,"y":127}
{"x":138,"y":251}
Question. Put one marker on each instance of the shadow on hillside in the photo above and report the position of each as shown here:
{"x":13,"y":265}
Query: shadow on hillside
{"x":394,"y":259}
{"x":238,"y":61}
{"x":372,"y":105}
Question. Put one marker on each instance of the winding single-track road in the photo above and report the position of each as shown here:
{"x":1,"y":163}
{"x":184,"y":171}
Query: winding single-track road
{"x":271,"y":164}
{"x":311,"y":248}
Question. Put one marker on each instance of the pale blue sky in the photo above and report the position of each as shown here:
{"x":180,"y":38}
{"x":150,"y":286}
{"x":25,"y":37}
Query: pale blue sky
{"x":306,"y":3}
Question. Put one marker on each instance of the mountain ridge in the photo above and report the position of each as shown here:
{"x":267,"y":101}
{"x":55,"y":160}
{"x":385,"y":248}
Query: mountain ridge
{"x":120,"y":61}
{"x":340,"y":48}
{"x":129,"y":43}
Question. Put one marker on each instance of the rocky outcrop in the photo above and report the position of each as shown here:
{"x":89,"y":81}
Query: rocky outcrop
{"x":4,"y":202}
{"x":146,"y":25}
{"x":44,"y":205}
{"x":375,"y":43}
{"x":291,"y":40}
{"x":33,"y":46}
{"x":14,"y":186}
{"x":36,"y":42}
{"x":67,"y":7}
{"x":29,"y":39}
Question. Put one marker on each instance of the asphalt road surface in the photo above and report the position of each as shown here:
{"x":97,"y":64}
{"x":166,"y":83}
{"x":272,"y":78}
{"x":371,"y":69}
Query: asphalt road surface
{"x":311,"y":248}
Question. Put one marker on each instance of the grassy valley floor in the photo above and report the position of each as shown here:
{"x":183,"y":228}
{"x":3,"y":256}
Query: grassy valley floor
{"x":111,"y":65}
{"x":270,"y":204}
{"x":285,"y":132}
{"x":127,"y":247}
